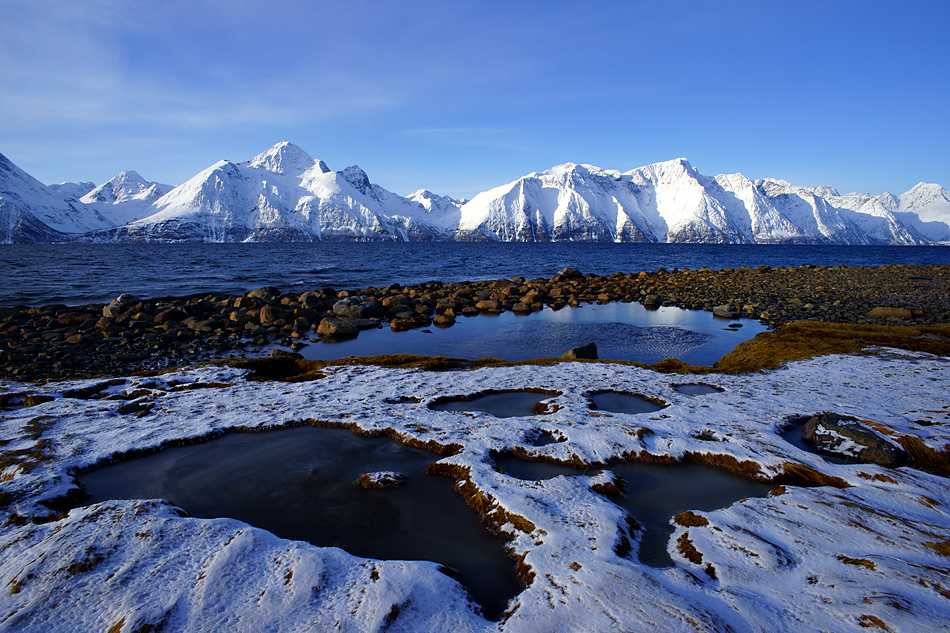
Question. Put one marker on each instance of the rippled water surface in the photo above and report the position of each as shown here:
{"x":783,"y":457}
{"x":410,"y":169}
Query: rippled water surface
{"x":39,"y":274}
{"x":621,"y":331}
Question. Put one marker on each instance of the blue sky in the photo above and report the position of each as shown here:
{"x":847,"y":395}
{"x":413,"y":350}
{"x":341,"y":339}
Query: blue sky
{"x":458,"y":96}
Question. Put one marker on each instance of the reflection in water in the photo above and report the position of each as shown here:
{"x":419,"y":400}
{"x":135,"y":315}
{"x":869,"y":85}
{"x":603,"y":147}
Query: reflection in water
{"x":622,"y":331}
{"x":653,"y":494}
{"x":298,"y":484}
{"x":793,"y":435}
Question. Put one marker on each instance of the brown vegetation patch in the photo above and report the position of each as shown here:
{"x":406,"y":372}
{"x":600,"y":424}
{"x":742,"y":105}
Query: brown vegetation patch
{"x":89,"y":562}
{"x":690,"y":519}
{"x":612,"y":486}
{"x":685,"y":547}
{"x":869,"y":621}
{"x":745,"y":468}
{"x":379,"y":481}
{"x":857,"y":562}
{"x":925,"y":457}
{"x":878,"y":477}
{"x":941,"y":547}
{"x":796,"y":474}
{"x":800,"y":340}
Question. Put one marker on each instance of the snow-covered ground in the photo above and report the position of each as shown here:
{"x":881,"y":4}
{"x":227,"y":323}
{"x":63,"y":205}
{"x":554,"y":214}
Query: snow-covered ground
{"x":874,"y":554}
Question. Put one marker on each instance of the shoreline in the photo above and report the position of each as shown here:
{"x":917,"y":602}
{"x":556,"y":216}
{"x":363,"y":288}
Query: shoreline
{"x":130,"y":335}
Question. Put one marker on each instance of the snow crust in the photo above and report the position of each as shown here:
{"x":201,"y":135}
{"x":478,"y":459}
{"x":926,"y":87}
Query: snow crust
{"x":804,"y":559}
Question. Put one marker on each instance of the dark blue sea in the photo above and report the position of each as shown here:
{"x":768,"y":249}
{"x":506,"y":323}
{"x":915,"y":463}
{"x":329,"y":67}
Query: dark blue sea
{"x":76,"y":274}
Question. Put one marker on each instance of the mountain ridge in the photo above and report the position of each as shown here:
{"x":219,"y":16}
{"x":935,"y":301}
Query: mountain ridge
{"x":284,"y":194}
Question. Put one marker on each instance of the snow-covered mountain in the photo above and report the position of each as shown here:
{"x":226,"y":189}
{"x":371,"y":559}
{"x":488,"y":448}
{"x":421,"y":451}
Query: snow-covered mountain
{"x":284,"y":194}
{"x":672,"y":202}
{"x":74,"y":190}
{"x":126,"y":198}
{"x":33,"y":212}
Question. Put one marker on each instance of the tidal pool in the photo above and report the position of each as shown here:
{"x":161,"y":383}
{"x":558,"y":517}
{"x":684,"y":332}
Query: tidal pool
{"x":653,"y":494}
{"x":619,"y":402}
{"x":793,"y":435}
{"x":298,"y":484}
{"x":622,"y":331}
{"x":697,"y":389}
{"x":501,"y":405}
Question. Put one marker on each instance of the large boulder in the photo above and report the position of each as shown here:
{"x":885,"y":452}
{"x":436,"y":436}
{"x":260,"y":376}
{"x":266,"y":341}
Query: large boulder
{"x":567,"y":274}
{"x":357,"y":309}
{"x":884,"y":311}
{"x":170,"y":314}
{"x":726,"y":311}
{"x":270,"y":314}
{"x":489,"y":305}
{"x":337,"y":327}
{"x":265,"y":293}
{"x":588,"y":352}
{"x":848,"y":437}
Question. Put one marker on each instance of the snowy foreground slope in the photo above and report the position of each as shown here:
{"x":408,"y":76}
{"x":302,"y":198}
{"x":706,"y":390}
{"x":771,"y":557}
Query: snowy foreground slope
{"x":285,"y":195}
{"x":803,"y":559}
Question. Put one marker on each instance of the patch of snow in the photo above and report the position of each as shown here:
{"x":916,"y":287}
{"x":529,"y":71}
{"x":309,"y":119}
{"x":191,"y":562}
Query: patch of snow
{"x":808,"y":558}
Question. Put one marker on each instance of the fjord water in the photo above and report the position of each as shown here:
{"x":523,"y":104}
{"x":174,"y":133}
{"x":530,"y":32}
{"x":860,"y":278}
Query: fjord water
{"x":298,"y":484}
{"x":75,"y":274}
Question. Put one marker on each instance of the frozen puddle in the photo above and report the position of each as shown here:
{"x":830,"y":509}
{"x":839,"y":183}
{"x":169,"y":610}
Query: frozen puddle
{"x":696,"y":389}
{"x":298,"y":484}
{"x":507,"y":404}
{"x":621,"y":402}
{"x":653,"y":494}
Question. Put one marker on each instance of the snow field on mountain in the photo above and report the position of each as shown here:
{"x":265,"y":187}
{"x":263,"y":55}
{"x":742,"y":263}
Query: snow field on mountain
{"x":283,"y":194}
{"x":804,"y":559}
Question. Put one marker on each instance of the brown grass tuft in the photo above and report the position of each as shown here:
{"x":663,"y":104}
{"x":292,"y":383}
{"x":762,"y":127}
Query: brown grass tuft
{"x":878,"y":477}
{"x":685,"y":547}
{"x":796,"y":474}
{"x":745,"y":468}
{"x":690,"y":519}
{"x":857,"y":562}
{"x":800,"y":340}
{"x":925,"y":457}
{"x":941,"y":547}
{"x":115,"y":628}
{"x":869,"y":621}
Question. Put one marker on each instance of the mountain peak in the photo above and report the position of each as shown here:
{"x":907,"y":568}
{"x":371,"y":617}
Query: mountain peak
{"x":356,"y":177}
{"x":283,"y":158}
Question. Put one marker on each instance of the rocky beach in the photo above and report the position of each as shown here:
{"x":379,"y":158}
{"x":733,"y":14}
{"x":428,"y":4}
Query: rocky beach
{"x":139,"y":335}
{"x":854,"y":366}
